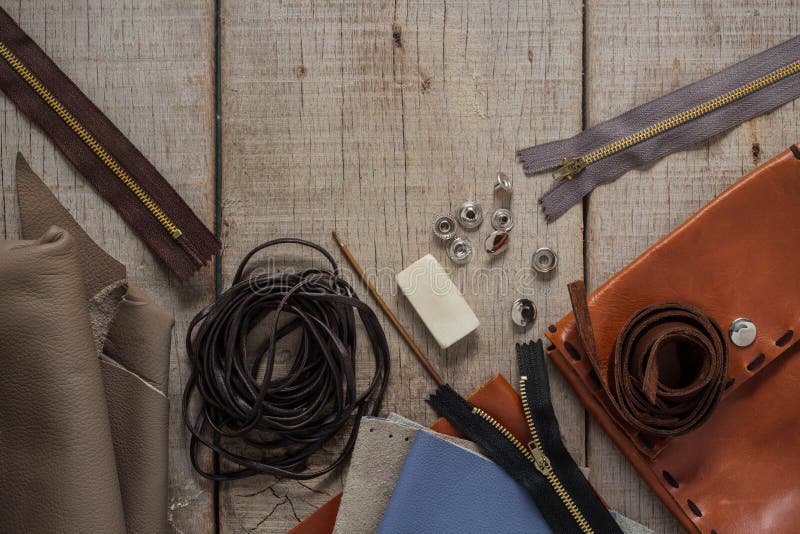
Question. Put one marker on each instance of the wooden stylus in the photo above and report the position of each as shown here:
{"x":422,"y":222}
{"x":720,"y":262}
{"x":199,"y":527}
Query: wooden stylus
{"x":395,"y":321}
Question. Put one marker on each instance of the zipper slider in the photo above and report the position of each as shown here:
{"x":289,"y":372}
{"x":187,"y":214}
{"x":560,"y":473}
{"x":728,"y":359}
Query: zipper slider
{"x":540,"y":459}
{"x":569,"y":168}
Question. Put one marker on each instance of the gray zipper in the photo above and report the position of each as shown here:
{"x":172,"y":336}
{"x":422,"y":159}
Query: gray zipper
{"x":568,"y":192}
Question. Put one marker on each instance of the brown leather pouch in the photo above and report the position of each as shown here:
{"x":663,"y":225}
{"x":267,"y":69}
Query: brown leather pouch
{"x":737,"y":257}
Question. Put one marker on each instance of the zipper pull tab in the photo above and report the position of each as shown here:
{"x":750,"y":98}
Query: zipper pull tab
{"x":540,"y":459}
{"x":569,"y":168}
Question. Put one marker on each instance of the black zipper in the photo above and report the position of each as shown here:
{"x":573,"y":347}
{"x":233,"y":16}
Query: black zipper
{"x":543,"y":466}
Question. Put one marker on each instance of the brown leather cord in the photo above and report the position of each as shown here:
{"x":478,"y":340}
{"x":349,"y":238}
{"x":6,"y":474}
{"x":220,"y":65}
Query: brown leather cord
{"x":668,"y":369}
{"x":268,"y":424}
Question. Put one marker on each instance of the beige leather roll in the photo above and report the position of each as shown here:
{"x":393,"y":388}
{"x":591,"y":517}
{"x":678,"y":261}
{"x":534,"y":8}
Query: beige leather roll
{"x":84,"y":411}
{"x":58,"y":465}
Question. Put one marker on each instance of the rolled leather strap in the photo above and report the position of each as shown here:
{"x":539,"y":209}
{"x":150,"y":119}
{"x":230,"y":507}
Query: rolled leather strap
{"x":668,"y":369}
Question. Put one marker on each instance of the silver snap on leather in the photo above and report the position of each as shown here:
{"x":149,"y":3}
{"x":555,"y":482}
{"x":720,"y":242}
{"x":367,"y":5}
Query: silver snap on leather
{"x":459,"y":250}
{"x":523,"y":312}
{"x":444,"y":227}
{"x":503,"y":219}
{"x":470,"y":215}
{"x":742,"y":332}
{"x":544,"y":260}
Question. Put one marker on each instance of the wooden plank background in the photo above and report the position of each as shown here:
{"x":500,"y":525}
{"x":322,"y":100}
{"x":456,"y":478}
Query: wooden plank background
{"x":371,"y":118}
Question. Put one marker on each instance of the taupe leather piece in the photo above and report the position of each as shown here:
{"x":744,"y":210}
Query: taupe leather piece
{"x":39,"y":210}
{"x":140,"y":338}
{"x":139,"y":415}
{"x":58,"y":467}
{"x":135,"y":336}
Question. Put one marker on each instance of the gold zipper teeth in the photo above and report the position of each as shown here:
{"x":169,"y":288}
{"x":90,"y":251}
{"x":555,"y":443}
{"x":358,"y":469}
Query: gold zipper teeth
{"x":85,"y":136}
{"x":552,"y":478}
{"x":550,"y":475}
{"x":572,"y":167}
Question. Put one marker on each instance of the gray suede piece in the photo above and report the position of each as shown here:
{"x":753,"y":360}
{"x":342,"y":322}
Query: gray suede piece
{"x":629,"y":526}
{"x":380,"y":451}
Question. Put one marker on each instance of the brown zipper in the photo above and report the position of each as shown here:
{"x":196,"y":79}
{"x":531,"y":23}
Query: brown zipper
{"x":117,"y":170}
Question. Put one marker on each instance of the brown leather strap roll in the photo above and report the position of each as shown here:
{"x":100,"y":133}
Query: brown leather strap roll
{"x":668,"y":369}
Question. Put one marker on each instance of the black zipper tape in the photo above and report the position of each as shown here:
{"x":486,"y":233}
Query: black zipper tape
{"x":530,"y":357}
{"x":458,"y":411}
{"x":26,"y":73}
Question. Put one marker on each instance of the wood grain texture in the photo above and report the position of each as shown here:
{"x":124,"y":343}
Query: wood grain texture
{"x":371,"y":118}
{"x":148,"y":66}
{"x":637,"y":51}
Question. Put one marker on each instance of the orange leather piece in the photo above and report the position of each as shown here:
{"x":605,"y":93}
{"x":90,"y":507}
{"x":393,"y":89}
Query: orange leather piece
{"x":496,"y":397}
{"x":322,"y":520}
{"x":736,"y":257}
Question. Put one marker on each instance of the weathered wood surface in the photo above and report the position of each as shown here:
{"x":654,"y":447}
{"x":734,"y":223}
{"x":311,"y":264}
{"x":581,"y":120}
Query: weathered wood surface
{"x":148,"y":66}
{"x":370,"y":118}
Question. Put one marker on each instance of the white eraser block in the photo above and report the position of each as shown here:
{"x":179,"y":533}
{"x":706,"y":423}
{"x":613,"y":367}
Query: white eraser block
{"x":437,"y":301}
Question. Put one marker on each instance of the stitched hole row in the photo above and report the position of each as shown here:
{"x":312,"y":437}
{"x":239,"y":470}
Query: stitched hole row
{"x":644,"y":440}
{"x":572,"y":351}
{"x":729,"y":383}
{"x":758,"y":360}
{"x":785,"y":338}
{"x":670,"y":479}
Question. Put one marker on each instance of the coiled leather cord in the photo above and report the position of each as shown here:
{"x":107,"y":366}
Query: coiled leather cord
{"x":669,"y":366}
{"x":255,"y":418}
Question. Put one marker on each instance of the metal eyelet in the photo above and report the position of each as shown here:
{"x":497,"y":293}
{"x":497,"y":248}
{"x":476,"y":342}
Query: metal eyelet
{"x":470,"y":215}
{"x":544,"y":260}
{"x":503,"y":220}
{"x":459,"y":250}
{"x":523,"y":312}
{"x":444,"y":227}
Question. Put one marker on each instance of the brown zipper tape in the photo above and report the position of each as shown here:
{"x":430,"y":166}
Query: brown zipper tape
{"x":184,"y":251}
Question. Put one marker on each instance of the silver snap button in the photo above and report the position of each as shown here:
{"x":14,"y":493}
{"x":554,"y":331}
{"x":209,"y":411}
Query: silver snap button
{"x":523,"y":312}
{"x":503,"y":219}
{"x":742,"y":332}
{"x":459,"y":250}
{"x":497,"y":242}
{"x":470,"y":215}
{"x":544,"y":260}
{"x":444,"y":227}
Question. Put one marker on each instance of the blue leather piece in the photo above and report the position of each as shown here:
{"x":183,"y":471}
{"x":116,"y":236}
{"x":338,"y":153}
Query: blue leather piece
{"x":444,"y":488}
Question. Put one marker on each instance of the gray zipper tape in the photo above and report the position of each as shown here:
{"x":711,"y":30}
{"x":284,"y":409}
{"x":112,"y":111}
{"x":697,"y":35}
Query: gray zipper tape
{"x":566,"y":193}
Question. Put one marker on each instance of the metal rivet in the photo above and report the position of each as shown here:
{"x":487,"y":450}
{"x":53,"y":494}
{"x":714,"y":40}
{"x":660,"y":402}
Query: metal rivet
{"x":503,"y":219}
{"x":444,"y":227}
{"x":470,"y":215}
{"x":544,"y":260}
{"x":523,"y":312}
{"x":497,"y":242}
{"x":742,"y":332}
{"x":459,"y":250}
{"x":503,"y":183}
